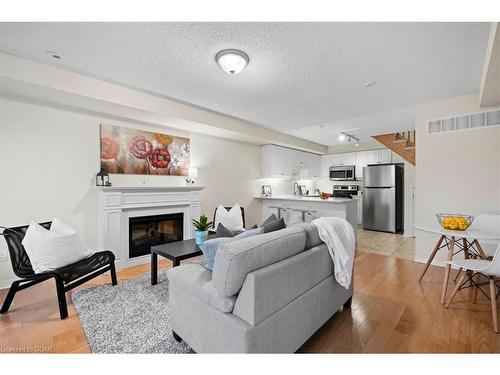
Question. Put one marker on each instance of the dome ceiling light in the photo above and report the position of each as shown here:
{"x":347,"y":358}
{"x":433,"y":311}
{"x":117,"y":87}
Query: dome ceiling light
{"x":232,"y":61}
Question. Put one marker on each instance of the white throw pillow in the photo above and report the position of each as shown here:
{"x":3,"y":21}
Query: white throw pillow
{"x":230,"y":219}
{"x":49,"y":250}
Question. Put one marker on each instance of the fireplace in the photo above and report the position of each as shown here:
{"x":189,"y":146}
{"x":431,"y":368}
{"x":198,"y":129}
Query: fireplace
{"x":147,"y":231}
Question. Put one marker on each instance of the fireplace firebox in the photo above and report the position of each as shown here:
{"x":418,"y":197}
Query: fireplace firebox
{"x":147,"y":231}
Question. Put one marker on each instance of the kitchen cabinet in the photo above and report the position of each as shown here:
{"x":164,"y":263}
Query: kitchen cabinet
{"x":378,"y":156}
{"x":326,"y":163}
{"x":330,"y":160}
{"x":346,"y":158}
{"x":300,"y":161}
{"x":283,"y":162}
{"x":314,"y":165}
{"x":276,"y":161}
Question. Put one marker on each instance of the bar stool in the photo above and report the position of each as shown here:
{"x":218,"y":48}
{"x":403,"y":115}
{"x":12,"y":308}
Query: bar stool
{"x":304,"y":211}
{"x":280,"y":208}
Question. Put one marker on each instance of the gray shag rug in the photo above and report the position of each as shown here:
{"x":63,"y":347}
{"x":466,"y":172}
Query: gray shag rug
{"x":131,"y":317}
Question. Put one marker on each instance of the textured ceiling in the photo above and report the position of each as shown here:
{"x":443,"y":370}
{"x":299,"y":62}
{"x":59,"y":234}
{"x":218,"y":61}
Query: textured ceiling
{"x":300,"y":75}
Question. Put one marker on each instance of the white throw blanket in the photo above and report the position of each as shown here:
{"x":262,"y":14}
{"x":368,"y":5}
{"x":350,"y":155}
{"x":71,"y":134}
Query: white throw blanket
{"x":339,"y":237}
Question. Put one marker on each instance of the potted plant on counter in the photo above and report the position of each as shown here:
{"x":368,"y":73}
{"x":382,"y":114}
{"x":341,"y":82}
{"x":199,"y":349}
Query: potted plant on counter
{"x":201,"y":227}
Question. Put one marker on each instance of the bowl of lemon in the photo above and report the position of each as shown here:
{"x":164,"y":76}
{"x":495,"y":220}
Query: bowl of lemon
{"x":455,"y":221}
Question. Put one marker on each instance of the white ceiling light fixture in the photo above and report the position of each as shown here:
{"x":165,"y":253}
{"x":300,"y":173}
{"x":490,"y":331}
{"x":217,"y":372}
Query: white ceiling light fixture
{"x":343,"y":136}
{"x":232,"y":61}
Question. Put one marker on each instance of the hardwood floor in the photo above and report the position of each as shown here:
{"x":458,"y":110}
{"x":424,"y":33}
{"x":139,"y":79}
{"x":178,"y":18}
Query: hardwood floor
{"x":391,"y":313}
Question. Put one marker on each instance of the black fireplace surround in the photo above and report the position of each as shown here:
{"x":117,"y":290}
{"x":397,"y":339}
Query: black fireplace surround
{"x":147,"y":231}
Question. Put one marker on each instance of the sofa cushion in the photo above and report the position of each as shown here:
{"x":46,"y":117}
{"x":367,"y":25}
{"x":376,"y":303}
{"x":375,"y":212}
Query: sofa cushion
{"x":197,"y":280}
{"x":312,"y":235}
{"x":235,"y":260}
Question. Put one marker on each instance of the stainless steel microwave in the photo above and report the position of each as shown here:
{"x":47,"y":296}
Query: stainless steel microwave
{"x":343,"y":173}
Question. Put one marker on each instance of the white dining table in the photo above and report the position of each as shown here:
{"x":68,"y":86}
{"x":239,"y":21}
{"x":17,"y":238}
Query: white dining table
{"x":466,"y":241}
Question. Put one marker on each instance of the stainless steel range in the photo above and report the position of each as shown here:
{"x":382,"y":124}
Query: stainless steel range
{"x":345,"y":191}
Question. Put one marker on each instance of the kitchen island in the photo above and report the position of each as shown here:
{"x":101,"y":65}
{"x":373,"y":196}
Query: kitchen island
{"x":314,"y":207}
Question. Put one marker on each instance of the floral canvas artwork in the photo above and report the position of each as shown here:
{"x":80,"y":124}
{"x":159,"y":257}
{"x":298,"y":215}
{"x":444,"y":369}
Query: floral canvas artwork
{"x":132,"y":151}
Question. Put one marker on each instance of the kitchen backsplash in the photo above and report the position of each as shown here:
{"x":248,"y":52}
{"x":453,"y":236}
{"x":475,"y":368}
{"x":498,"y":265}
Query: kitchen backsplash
{"x":285,"y":186}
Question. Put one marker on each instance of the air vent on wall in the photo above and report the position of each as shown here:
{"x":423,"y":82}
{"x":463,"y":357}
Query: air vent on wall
{"x":470,"y":121}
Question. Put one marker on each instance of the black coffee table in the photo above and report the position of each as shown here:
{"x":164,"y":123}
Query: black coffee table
{"x":175,"y":251}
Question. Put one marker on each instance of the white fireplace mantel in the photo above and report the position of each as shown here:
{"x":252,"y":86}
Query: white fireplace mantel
{"x":115,"y":205}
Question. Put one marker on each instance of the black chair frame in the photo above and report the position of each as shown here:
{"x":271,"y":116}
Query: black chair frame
{"x":66,"y":278}
{"x":228,"y":208}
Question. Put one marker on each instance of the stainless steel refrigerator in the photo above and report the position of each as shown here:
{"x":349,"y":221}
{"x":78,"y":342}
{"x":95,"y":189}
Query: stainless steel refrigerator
{"x":383,"y":197}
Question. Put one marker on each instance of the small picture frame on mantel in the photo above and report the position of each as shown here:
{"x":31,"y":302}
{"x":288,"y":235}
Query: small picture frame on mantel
{"x":266,"y":190}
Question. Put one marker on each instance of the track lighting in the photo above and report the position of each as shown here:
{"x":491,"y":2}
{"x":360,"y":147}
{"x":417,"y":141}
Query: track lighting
{"x":343,"y":136}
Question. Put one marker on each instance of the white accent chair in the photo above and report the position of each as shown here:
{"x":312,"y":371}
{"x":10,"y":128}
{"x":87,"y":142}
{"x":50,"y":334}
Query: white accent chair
{"x":473,"y":269}
{"x":487,"y":223}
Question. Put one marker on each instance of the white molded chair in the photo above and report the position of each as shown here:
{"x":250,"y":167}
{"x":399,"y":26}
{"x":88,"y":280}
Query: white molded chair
{"x":473,"y":269}
{"x":487,"y":223}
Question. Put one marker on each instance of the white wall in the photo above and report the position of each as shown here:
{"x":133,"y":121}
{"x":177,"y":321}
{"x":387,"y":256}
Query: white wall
{"x":457,"y":172}
{"x":49,"y":159}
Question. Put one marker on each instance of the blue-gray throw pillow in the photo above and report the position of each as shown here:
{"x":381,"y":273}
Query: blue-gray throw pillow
{"x":249,"y":233}
{"x":210,"y":247}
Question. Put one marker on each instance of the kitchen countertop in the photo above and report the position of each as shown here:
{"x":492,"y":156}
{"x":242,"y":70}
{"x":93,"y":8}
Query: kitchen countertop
{"x":308,"y":199}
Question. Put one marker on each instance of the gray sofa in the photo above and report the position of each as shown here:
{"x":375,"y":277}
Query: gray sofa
{"x":267,"y":294}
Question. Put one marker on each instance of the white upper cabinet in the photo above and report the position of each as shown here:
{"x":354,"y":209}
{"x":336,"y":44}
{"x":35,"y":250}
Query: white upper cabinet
{"x":378,"y":156}
{"x":300,"y":161}
{"x":372,"y":157}
{"x":385,"y":156}
{"x":326,"y":163}
{"x":276,"y":161}
{"x":314,"y":165}
{"x":346,"y":158}
{"x":283,"y":162}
